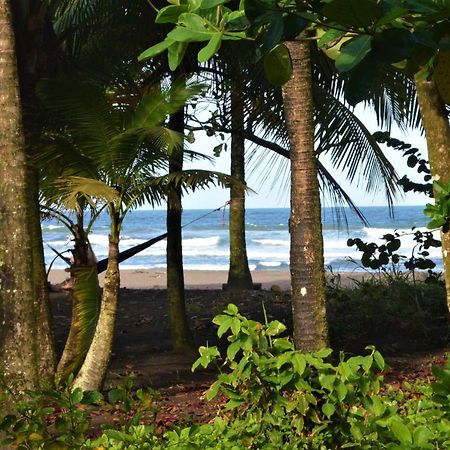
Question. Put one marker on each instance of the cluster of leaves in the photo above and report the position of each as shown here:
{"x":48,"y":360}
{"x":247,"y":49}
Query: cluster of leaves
{"x":439,"y":213}
{"x":276,"y":397}
{"x":61,"y":418}
{"x":364,"y":34}
{"x":414,"y":160}
{"x":385,"y":257}
{"x":393,"y":313}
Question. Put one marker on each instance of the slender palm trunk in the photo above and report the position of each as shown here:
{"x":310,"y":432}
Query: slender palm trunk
{"x":239,"y":276}
{"x":179,"y":328}
{"x":22,"y":354}
{"x":94,"y":369}
{"x":306,"y":253}
{"x":437,"y":131}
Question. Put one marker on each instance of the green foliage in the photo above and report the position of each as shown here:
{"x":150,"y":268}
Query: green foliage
{"x":390,"y":312}
{"x":387,"y":257}
{"x":49,"y":418}
{"x":439,"y":213}
{"x":276,"y":397}
{"x":132,"y":405}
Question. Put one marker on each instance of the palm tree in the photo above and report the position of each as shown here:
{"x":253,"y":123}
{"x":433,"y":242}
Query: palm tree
{"x":25,"y":339}
{"x":306,"y":253}
{"x":127,"y":149}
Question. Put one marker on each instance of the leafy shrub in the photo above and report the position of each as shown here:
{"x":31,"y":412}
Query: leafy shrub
{"x":49,"y":418}
{"x":392,"y":314}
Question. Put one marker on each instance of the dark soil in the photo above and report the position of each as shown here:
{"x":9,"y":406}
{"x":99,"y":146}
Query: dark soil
{"x":142,"y":343}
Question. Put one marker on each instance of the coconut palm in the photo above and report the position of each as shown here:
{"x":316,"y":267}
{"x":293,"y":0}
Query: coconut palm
{"x":126,"y":147}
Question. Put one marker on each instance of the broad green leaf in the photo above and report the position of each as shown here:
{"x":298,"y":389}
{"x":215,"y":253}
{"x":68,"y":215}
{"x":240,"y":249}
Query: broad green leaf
{"x":231,"y":309}
{"x":213,"y":390}
{"x":194,"y":5}
{"x":293,"y":26}
{"x":182,"y":34}
{"x":275,"y":328}
{"x":175,"y":54}
{"x":355,"y":13}
{"x":224,"y":325}
{"x":353,"y":52}
{"x":323,"y":353}
{"x":328,"y":409}
{"x":155,"y":49}
{"x":422,"y":436}
{"x":211,"y":48}
{"x":401,"y":432}
{"x":278,"y":65}
{"x":273,"y":33}
{"x":76,"y":396}
{"x":170,"y":14}
{"x":441,"y":76}
{"x":207,"y":4}
{"x":331,"y":37}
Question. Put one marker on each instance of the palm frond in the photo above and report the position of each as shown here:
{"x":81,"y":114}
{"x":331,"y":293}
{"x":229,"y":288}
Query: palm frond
{"x":351,"y":147}
{"x":83,"y":109}
{"x":69,"y":191}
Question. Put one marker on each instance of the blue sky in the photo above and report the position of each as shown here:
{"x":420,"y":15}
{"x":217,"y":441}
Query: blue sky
{"x":271,"y":189}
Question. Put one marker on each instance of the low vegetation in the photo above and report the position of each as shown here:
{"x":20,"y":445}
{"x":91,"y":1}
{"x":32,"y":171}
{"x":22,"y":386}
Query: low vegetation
{"x":270,"y":396}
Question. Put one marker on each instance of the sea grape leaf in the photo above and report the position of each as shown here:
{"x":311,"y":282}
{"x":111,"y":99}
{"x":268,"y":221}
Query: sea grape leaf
{"x":155,"y":49}
{"x":353,"y":52}
{"x":278,"y":65}
{"x":354,"y":13}
{"x":170,"y":14}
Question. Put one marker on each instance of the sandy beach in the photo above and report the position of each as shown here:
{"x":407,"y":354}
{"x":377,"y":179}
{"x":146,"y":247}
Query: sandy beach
{"x":201,"y":279}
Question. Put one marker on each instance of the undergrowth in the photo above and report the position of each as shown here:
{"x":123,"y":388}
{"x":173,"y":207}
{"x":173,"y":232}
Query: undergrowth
{"x":276,"y":397}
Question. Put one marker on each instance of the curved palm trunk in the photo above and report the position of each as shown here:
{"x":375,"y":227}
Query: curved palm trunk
{"x":179,"y":328}
{"x":85,"y":305}
{"x":93,"y":371}
{"x":22,"y":355}
{"x":437,"y":131}
{"x":306,"y":253}
{"x":239,"y":276}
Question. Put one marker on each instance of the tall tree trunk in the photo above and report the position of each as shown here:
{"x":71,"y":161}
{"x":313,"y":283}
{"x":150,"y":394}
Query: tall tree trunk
{"x":306,"y":252}
{"x":437,"y":131}
{"x":179,"y":328}
{"x":35,"y":39}
{"x":94,"y":369}
{"x":239,"y":276}
{"x":20,"y":309}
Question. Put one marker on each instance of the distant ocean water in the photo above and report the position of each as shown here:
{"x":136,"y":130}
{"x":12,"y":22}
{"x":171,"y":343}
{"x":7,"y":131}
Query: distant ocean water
{"x":205,"y":242}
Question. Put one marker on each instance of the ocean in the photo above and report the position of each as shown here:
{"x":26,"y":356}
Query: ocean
{"x":205,"y":241}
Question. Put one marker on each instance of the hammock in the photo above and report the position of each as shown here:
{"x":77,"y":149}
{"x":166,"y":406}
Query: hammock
{"x":101,"y":265}
{"x":126,"y":254}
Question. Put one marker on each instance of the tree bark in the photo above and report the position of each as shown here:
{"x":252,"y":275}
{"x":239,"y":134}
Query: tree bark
{"x":437,"y":131}
{"x":35,"y":41}
{"x":179,"y":328}
{"x":22,"y":353}
{"x":239,"y":276}
{"x":306,"y":249}
{"x":94,"y":369}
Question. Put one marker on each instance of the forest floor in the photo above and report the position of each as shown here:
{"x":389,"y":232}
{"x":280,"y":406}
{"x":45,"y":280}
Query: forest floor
{"x":142,"y":345}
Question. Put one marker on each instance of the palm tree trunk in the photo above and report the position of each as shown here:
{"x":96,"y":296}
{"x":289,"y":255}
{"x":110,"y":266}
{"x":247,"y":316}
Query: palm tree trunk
{"x":94,"y":369}
{"x":85,"y":304}
{"x":437,"y":131}
{"x":22,"y":354}
{"x":179,"y":328}
{"x":239,"y":276}
{"x":306,"y":252}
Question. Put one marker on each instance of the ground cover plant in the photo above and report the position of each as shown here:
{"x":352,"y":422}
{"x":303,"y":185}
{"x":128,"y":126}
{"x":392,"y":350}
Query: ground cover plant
{"x":271,"y":396}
